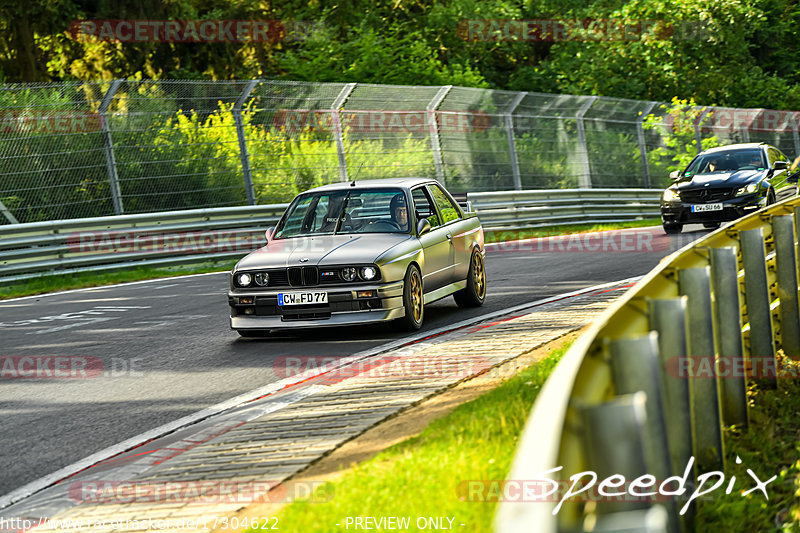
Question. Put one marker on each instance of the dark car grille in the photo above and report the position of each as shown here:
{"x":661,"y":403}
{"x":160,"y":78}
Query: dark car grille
{"x":303,"y":276}
{"x":705,"y":196}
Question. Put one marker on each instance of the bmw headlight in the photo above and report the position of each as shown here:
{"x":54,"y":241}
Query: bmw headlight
{"x":262,"y":279}
{"x":749,"y":189}
{"x":349,"y":273}
{"x":369,"y":273}
{"x":243,"y":280}
{"x":670,"y":195}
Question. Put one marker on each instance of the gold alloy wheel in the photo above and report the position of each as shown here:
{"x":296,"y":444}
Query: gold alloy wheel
{"x":416,"y":296}
{"x":479,"y":276}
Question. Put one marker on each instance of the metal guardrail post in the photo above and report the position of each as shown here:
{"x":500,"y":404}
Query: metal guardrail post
{"x":337,"y":128}
{"x":111,"y":163}
{"x":786,"y":262}
{"x":668,"y":318}
{"x":728,"y":321}
{"x":642,"y":145}
{"x":757,"y":300}
{"x":697,"y":138}
{"x":245,"y":157}
{"x":583,"y":152}
{"x":795,"y":138}
{"x":8,"y":214}
{"x":616,"y":430}
{"x":634,"y":368}
{"x":433,"y":131}
{"x":512,"y":142}
{"x":695,"y":283}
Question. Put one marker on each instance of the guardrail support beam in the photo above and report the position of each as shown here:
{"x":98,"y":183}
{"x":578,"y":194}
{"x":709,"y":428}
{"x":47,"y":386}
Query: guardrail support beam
{"x":732,"y":385}
{"x":8,"y":214}
{"x":108,"y":145}
{"x":245,"y":157}
{"x":786,"y":262}
{"x":757,"y":300}
{"x":668,"y":319}
{"x":695,"y":283}
{"x":642,"y":144}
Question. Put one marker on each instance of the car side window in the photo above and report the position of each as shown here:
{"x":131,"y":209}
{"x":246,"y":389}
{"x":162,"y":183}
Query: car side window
{"x":423,"y":206}
{"x":446,"y":206}
{"x":774,"y":155}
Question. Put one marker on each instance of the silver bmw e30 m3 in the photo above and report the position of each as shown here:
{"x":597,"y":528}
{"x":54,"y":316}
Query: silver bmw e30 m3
{"x":354,"y":253}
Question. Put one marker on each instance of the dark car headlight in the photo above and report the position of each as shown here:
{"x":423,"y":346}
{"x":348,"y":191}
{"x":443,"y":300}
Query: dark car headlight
{"x":747,"y":189}
{"x":670,"y":195}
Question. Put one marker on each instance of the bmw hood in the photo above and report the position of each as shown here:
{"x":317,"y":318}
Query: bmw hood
{"x":322,"y":250}
{"x":738,"y":178}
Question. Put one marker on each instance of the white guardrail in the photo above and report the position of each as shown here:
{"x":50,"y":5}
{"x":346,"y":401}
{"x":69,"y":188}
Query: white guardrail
{"x":201,"y":235}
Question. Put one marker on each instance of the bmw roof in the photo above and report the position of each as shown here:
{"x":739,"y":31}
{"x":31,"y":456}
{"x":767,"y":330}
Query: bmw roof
{"x":740,"y":146}
{"x":370,"y":184}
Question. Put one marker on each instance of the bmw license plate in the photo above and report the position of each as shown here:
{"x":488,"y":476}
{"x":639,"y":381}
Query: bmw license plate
{"x":706,"y":207}
{"x":302,"y":298}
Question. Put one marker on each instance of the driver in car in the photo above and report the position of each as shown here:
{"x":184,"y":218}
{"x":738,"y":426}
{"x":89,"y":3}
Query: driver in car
{"x":399,"y":211}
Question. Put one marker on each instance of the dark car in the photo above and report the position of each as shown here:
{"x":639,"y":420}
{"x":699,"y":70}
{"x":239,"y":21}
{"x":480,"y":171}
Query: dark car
{"x":725,"y":183}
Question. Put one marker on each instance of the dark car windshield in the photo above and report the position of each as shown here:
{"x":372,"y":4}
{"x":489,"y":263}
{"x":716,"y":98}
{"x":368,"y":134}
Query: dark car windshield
{"x":346,"y":211}
{"x":727,"y":161}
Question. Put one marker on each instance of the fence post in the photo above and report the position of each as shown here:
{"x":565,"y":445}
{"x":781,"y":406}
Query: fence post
{"x":8,"y":214}
{"x":583,"y":152}
{"x":433,"y":129}
{"x":795,"y":138}
{"x":512,"y":142}
{"x":698,"y":140}
{"x":336,"y":106}
{"x":642,"y":146}
{"x":237,"y":117}
{"x":111,"y":163}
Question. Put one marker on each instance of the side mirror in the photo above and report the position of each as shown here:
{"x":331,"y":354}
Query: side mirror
{"x":423,"y":227}
{"x":268,"y":234}
{"x":675,"y":174}
{"x":780,"y":165}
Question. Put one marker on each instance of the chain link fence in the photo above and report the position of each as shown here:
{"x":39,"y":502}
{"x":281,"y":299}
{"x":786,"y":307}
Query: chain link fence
{"x":70,"y":150}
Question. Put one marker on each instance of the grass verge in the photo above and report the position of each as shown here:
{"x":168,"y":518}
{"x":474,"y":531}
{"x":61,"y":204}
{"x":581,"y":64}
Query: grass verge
{"x":770,"y":447}
{"x":61,"y":282}
{"x":424,"y":475}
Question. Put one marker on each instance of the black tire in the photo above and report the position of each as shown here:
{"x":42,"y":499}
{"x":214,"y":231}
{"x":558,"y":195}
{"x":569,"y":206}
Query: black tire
{"x":474,"y":294}
{"x":413,"y":301}
{"x":253,"y":333}
{"x":711,"y":225}
{"x":673,"y":229}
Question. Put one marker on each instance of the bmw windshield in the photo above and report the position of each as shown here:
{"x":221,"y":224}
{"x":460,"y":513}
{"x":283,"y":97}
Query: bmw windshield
{"x":344,"y":212}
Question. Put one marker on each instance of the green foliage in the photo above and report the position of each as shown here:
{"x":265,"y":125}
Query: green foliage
{"x":676,"y":127}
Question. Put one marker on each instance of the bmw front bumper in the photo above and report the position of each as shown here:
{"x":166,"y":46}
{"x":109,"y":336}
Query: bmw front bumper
{"x":259,"y":309}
